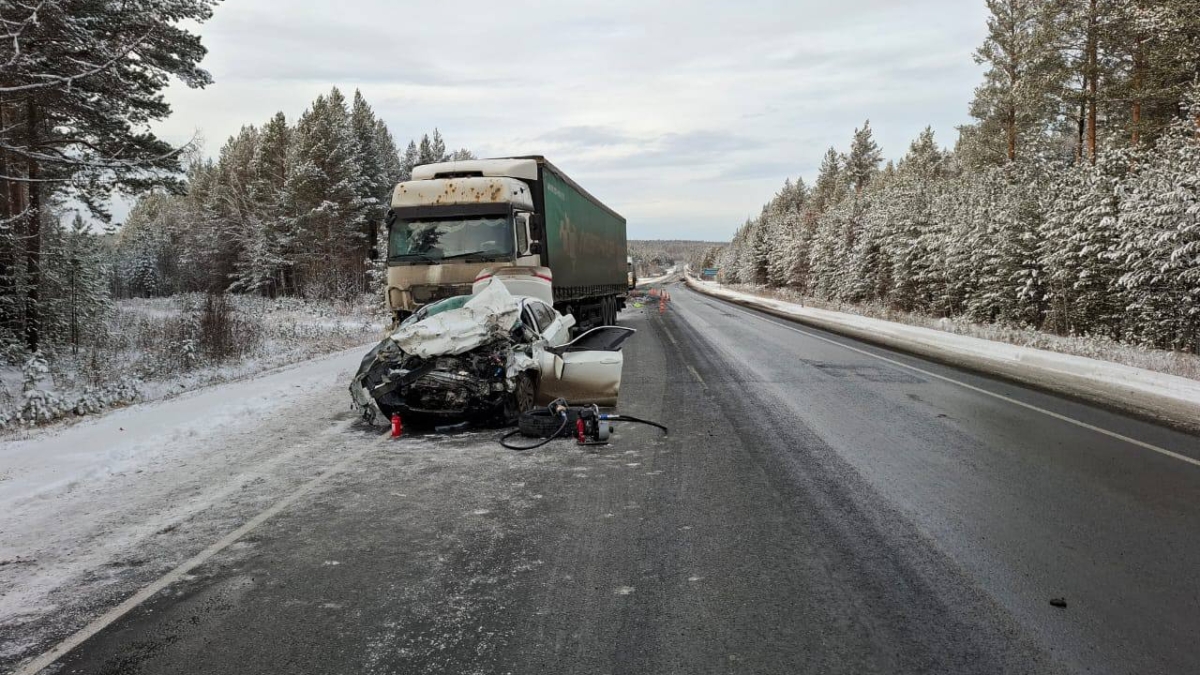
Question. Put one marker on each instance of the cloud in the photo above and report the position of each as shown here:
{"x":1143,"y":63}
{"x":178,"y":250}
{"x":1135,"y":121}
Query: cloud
{"x":682,"y":117}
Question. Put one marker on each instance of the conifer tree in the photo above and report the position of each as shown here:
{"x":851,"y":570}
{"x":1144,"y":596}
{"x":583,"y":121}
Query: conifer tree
{"x":1015,"y":105}
{"x":863,"y":161}
{"x":325,"y":187}
{"x":79,"y":83}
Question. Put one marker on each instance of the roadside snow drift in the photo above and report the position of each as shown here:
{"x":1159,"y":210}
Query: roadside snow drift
{"x":1168,"y":398}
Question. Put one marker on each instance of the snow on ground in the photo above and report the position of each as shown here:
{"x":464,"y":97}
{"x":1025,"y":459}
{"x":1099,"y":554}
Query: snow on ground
{"x":1092,"y":346}
{"x":655,"y":280}
{"x":156,"y":345}
{"x":75,"y":502}
{"x":1142,"y":391}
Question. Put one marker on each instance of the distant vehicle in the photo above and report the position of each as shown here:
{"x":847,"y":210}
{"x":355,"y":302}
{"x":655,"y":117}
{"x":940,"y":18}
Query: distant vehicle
{"x":632,"y":273}
{"x":453,"y":219}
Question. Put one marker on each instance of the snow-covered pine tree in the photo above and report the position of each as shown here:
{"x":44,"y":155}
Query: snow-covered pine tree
{"x":793,"y":249}
{"x":1077,"y":248}
{"x":325,"y":187}
{"x":1005,"y":250}
{"x":862,"y":163}
{"x":271,"y":252}
{"x":437,"y":147}
{"x":425,"y":152}
{"x":380,"y":164}
{"x":1016,"y":102}
{"x":411,"y":157}
{"x":860,"y":167}
{"x":1157,"y":43}
{"x":79,"y":83}
{"x":85,"y":290}
{"x":910,"y":239}
{"x":235,"y":219}
{"x":782,"y":234}
{"x":1159,"y":246}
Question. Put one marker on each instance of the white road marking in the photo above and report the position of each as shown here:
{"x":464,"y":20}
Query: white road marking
{"x":35,"y":666}
{"x":697,"y":374}
{"x":1070,"y":420}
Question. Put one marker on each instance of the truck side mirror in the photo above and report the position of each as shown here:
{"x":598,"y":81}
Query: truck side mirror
{"x":535,"y":247}
{"x":521,"y":219}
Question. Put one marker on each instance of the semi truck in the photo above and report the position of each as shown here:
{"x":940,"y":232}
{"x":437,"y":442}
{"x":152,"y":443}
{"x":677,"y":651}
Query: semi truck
{"x":455,"y":219}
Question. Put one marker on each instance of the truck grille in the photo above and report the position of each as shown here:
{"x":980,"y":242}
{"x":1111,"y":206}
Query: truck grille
{"x":429,"y":293}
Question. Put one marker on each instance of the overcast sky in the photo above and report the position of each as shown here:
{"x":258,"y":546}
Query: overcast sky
{"x":684,"y":117}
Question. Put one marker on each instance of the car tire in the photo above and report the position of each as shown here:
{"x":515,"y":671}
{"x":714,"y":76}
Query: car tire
{"x":525,"y":392}
{"x":523,"y":397}
{"x":540,"y":423}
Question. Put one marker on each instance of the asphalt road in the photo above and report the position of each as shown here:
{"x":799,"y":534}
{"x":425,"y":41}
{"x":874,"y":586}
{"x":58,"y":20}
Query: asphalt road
{"x":815,"y":509}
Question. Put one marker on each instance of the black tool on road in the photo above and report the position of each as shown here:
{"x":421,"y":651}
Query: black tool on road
{"x":587,"y":424}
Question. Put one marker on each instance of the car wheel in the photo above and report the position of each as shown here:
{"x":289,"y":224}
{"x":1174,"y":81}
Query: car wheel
{"x":525,"y":392}
{"x":522,"y":399}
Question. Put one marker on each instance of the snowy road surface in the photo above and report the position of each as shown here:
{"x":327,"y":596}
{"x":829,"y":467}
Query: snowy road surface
{"x":815,"y":509}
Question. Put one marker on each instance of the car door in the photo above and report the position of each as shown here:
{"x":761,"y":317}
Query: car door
{"x":585,"y":370}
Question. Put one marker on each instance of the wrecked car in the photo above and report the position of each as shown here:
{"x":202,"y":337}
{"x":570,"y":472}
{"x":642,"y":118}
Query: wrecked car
{"x":487,"y":357}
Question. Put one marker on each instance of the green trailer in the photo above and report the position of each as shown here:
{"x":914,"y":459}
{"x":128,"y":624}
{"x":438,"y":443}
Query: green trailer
{"x":585,"y":245}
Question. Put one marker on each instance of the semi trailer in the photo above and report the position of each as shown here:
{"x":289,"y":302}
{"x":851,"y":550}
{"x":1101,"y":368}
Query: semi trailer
{"x":455,"y":219}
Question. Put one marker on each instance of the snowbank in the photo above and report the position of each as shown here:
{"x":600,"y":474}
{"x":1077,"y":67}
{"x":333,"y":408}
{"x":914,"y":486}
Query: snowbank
{"x":150,"y":349}
{"x":1168,"y":398}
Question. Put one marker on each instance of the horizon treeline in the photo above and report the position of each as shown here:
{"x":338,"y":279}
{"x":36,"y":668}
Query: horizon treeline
{"x":1071,"y":204}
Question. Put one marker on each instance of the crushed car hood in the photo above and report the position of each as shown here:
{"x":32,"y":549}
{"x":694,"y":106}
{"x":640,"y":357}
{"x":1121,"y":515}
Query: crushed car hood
{"x":490,"y":314}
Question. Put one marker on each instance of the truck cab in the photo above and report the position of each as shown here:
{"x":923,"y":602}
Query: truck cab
{"x":453,"y":220}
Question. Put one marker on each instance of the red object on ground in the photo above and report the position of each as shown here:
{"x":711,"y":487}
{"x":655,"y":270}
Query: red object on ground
{"x":397,"y":426}
{"x":579,"y":430}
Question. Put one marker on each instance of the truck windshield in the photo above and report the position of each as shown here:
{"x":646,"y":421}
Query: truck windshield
{"x":489,"y":237}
